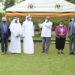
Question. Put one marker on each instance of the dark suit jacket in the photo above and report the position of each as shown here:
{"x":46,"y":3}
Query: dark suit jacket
{"x":3,"y":35}
{"x":70,"y":29}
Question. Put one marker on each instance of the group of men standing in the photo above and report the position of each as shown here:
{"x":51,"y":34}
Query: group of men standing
{"x":27,"y":32}
{"x":17,"y":31}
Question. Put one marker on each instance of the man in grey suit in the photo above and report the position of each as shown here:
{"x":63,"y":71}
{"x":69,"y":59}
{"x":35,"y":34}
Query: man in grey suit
{"x":71,"y":34}
{"x":4,"y":30}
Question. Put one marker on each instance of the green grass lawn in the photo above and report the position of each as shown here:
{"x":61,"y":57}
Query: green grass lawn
{"x":38,"y":63}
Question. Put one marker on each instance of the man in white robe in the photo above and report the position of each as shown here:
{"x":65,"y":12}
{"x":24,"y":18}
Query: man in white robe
{"x":28,"y":33}
{"x":16,"y":31}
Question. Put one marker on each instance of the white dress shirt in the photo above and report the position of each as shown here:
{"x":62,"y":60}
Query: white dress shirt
{"x":46,"y":29}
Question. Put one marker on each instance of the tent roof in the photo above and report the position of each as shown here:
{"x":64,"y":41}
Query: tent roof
{"x":44,"y":6}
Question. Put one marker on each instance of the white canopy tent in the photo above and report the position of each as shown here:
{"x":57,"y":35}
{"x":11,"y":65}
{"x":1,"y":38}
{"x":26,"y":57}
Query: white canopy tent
{"x":42,"y":7}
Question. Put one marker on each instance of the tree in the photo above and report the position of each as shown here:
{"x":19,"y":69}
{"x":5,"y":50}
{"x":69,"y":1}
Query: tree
{"x":73,"y":1}
{"x":9,"y":3}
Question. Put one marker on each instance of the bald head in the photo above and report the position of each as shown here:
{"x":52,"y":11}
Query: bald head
{"x":47,"y":19}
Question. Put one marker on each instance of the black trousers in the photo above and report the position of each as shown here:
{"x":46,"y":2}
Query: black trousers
{"x":72,"y":43}
{"x":4,"y":44}
{"x":60,"y":43}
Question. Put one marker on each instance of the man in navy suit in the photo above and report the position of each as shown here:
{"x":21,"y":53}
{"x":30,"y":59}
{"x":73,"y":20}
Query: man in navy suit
{"x":4,"y":31}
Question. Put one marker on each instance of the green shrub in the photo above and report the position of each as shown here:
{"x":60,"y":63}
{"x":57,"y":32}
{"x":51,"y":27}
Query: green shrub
{"x":37,"y":20}
{"x":1,"y":14}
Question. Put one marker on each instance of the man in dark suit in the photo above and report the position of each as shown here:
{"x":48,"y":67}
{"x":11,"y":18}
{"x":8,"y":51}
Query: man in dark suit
{"x":4,"y":31}
{"x":71,"y":34}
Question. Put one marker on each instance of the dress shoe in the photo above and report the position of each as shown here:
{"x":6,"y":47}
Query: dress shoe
{"x":71,"y":53}
{"x":62,"y":52}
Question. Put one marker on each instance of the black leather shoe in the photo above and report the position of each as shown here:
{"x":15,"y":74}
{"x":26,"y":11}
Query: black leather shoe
{"x":43,"y":52}
{"x":62,"y":52}
{"x":71,"y":53}
{"x":58,"y":52}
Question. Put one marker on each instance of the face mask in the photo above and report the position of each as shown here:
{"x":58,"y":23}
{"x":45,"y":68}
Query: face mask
{"x":72,"y":19}
{"x":4,"y":21}
{"x":61,"y":25}
{"x":46,"y":20}
{"x":15,"y":21}
{"x":30,"y":19}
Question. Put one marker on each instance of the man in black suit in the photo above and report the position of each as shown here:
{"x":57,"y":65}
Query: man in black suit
{"x":4,"y":31}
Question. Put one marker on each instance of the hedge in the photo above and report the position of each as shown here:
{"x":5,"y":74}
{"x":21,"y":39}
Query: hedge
{"x":37,"y":20}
